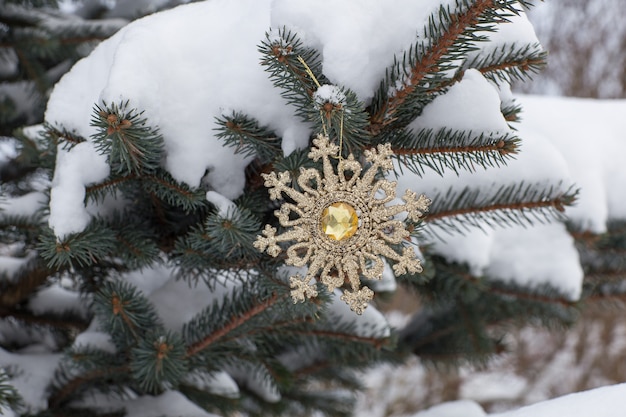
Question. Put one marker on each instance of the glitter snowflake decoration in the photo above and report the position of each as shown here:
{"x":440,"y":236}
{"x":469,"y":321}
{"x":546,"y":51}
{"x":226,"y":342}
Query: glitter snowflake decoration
{"x":340,"y":223}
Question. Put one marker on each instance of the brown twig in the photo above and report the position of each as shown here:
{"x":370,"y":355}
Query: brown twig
{"x":556,"y":203}
{"x":458,"y":24}
{"x":230,"y":326}
{"x":499,"y":147}
{"x":73,"y":385}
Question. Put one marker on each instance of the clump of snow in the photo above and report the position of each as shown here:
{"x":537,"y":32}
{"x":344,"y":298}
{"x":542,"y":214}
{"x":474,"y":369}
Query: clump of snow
{"x":75,"y":169}
{"x":223,"y":204}
{"x":10,"y":265}
{"x":218,"y":383}
{"x":58,"y":300}
{"x":7,"y":151}
{"x":167,"y":299}
{"x":588,"y":135}
{"x":32,"y":372}
{"x":220,"y":38}
{"x":471,"y":104}
{"x":529,"y":256}
{"x":329,"y":94}
{"x":95,"y":339}
{"x":24,"y":205}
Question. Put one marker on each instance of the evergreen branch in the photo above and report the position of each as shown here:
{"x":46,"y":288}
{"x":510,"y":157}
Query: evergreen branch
{"x":451,"y":149}
{"x":280,"y":58}
{"x":176,"y":194}
{"x":64,"y":322}
{"x":27,"y":281}
{"x":9,"y":396}
{"x":234,"y":323}
{"x":511,"y":111}
{"x":376,"y":342}
{"x":512,"y":65}
{"x":516,"y":204}
{"x":82,"y":249}
{"x":58,"y":135}
{"x":529,"y":296}
{"x":125,"y":313}
{"x":108,"y":186}
{"x":131,"y":146}
{"x":297,"y":71}
{"x":158,"y":361}
{"x":450,"y":35}
{"x":20,"y":228}
{"x":248,"y":137}
{"x":61,"y":395}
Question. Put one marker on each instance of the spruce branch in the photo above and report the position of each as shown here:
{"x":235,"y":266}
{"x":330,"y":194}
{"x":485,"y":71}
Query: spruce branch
{"x":456,"y":150}
{"x":426,"y":59}
{"x":341,"y":335}
{"x":415,"y":80}
{"x":232,"y":324}
{"x":281,"y":51}
{"x":248,"y":137}
{"x":63,"y":394}
{"x":20,"y":228}
{"x":165,"y":188}
{"x":80,"y":249}
{"x":509,"y":63}
{"x":158,"y":360}
{"x":510,"y":204}
{"x":297,"y":71}
{"x":67,"y":322}
{"x":131,"y":146}
{"x":97,"y":192}
{"x":125,"y":313}
{"x":9,"y":396}
{"x":26,"y":282}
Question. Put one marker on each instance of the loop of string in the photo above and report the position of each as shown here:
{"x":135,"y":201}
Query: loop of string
{"x":312,"y":76}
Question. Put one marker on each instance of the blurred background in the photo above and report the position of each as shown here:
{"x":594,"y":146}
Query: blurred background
{"x":586,"y":42}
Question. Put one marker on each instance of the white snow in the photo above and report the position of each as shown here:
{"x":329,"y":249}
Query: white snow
{"x":485,"y":386}
{"x":24,"y":205}
{"x":459,"y":408}
{"x":471,"y":104}
{"x":355,"y":55}
{"x":218,"y":383}
{"x":600,"y":402}
{"x":75,"y":169}
{"x":223,"y":204}
{"x":32,"y":372}
{"x":56,"y":299}
{"x":208,"y":65}
{"x":170,"y":403}
{"x":589,"y":136}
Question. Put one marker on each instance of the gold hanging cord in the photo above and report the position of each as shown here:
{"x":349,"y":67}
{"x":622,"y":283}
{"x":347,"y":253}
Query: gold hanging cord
{"x":310,"y":74}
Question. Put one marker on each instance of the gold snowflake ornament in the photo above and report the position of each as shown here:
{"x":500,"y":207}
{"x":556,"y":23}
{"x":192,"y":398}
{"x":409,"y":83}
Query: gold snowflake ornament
{"x":340,"y":223}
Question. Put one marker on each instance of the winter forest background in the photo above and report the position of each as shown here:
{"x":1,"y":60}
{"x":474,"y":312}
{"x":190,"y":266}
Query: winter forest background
{"x":577,"y":104}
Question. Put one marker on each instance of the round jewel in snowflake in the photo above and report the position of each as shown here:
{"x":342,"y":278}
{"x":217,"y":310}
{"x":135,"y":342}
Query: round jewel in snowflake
{"x":340,"y":223}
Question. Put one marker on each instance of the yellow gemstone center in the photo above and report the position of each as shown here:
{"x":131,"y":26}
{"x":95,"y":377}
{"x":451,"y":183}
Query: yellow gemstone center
{"x":339,"y":221}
